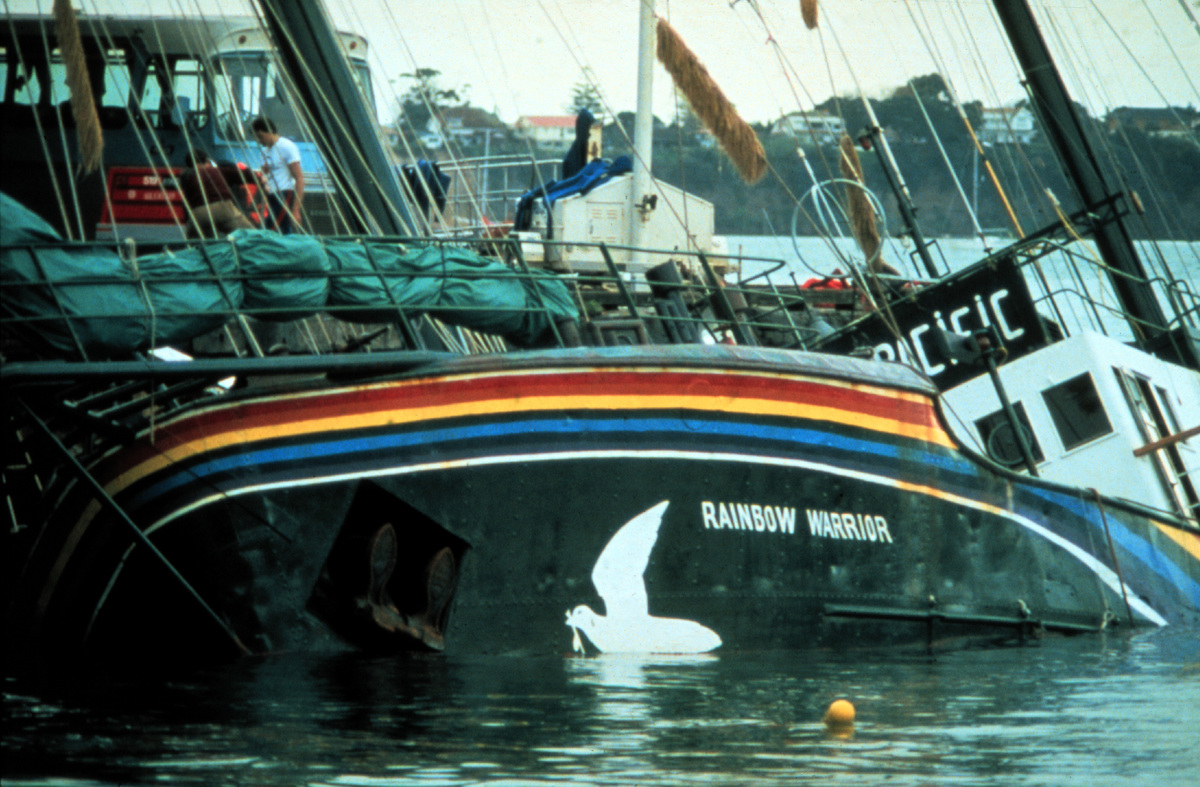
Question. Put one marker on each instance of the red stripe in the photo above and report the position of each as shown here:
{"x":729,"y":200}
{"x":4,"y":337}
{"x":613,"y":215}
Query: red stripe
{"x":578,"y":384}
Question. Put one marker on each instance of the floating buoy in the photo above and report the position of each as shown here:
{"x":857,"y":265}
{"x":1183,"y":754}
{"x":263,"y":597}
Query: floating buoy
{"x":840,"y":715}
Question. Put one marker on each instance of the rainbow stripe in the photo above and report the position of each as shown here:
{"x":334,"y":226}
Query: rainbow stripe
{"x":490,"y":405}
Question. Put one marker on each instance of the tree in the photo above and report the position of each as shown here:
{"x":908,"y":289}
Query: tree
{"x":585,"y":95}
{"x":423,"y":100}
{"x":686,"y":122}
{"x":902,"y":110}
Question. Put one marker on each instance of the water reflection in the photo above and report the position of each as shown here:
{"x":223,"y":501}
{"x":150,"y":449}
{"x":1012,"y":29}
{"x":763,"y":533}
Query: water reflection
{"x":1095,"y":710}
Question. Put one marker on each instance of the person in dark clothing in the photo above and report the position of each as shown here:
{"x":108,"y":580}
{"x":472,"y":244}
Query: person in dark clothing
{"x":212,"y":211}
{"x":426,"y":180}
{"x":577,"y":157}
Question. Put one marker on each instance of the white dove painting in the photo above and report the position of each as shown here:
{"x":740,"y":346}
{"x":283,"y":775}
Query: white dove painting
{"x":628,"y":626}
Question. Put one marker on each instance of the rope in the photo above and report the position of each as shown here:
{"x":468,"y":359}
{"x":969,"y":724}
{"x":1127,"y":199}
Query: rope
{"x":1112,"y":550}
{"x":139,"y":536}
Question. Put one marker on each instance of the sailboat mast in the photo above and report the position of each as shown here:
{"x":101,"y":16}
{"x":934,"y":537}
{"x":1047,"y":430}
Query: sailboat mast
{"x":643,"y":127}
{"x":1065,"y":134}
{"x":346,"y":129}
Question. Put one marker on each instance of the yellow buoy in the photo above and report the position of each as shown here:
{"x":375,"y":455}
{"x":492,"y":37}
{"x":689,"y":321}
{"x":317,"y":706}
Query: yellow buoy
{"x":840,"y":714}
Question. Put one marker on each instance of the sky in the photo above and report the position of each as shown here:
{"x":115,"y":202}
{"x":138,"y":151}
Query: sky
{"x":526,"y":57}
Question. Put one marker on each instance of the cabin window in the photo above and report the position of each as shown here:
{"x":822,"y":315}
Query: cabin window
{"x":30,"y":82}
{"x":1001,"y":443}
{"x":147,"y":106}
{"x":362,"y":75}
{"x":117,"y":81}
{"x":239,"y":92}
{"x":1077,"y":411}
{"x":188,"y":83}
{"x":21,"y":84}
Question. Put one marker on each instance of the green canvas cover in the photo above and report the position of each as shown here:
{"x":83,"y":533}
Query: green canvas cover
{"x":112,"y":308}
{"x":451,"y":283}
{"x":115,"y":307}
{"x":286,"y":277}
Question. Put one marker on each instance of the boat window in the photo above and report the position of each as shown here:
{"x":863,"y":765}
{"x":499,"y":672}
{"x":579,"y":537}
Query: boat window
{"x":21,"y":85}
{"x":188,"y":83}
{"x":150,"y":100}
{"x":37,"y":82}
{"x":1168,"y":412}
{"x":117,"y":81}
{"x":362,"y":75}
{"x":239,"y":92}
{"x":1077,"y":411}
{"x":1000,"y":442}
{"x":249,"y":84}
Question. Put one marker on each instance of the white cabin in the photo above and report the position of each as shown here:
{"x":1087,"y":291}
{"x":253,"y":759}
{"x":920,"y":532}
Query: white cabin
{"x":604,"y":215}
{"x":1092,"y":405}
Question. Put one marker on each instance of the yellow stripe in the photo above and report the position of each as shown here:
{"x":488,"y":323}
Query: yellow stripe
{"x":1189,"y":541}
{"x":772,"y":407}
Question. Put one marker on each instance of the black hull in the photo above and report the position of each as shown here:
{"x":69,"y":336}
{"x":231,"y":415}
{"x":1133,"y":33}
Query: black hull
{"x":780,"y":530}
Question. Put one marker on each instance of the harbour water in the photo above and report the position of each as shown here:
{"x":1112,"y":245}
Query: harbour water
{"x":1108,"y":709}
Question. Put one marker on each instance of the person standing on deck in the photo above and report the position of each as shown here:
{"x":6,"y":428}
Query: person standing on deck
{"x":285,"y":178}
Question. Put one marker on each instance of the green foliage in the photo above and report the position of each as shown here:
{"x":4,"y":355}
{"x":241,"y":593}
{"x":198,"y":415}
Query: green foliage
{"x":1160,"y":169}
{"x":585,"y":95}
{"x":424,"y":98}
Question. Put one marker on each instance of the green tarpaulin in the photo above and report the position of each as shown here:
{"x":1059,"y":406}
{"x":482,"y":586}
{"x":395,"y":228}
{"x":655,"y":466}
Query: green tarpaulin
{"x":113,"y":306}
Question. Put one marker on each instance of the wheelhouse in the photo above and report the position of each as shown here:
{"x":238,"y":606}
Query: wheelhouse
{"x":162,"y":86}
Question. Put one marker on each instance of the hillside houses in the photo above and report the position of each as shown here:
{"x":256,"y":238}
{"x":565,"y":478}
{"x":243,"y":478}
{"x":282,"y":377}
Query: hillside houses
{"x":547,"y":131}
{"x":1179,"y":122}
{"x":824,"y":128}
{"x":470,"y":125}
{"x":1007,"y":125}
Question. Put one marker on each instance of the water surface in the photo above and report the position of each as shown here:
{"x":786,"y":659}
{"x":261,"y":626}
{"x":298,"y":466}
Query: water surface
{"x":1110,"y":709}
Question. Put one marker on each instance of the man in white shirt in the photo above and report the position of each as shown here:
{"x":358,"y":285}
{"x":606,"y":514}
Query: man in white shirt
{"x":285,"y":177}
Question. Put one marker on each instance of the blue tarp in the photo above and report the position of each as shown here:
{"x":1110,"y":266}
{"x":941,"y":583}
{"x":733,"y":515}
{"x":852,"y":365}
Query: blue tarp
{"x":596,"y":173}
{"x":115,"y":308}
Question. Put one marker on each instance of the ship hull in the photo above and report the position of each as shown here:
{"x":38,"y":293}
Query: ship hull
{"x":803,"y":501}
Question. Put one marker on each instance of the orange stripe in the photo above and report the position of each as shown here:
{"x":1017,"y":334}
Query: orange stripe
{"x":930,"y":433}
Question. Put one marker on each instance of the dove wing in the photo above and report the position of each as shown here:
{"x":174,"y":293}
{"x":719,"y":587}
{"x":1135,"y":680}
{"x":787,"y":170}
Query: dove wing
{"x":618,"y":575}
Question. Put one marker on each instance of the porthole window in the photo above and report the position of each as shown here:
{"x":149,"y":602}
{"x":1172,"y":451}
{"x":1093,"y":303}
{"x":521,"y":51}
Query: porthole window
{"x":1077,"y":411}
{"x":1001,"y":443}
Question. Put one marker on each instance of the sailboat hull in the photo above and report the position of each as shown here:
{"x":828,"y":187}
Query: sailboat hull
{"x":811,"y":501}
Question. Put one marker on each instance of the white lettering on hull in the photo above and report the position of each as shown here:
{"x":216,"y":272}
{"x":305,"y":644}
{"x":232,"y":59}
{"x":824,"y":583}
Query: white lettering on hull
{"x":848,"y":526}
{"x":758,"y":518}
{"x":751,"y":517}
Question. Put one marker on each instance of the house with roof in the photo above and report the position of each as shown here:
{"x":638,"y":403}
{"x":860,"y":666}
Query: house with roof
{"x":1182,"y":122}
{"x":467,"y":125}
{"x":1007,"y":125}
{"x":824,"y":128}
{"x":547,"y":131}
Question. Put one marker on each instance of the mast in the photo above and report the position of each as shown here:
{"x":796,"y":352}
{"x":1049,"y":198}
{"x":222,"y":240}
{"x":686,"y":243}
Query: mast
{"x":1065,"y":133}
{"x":643,"y":129}
{"x":360,"y":167}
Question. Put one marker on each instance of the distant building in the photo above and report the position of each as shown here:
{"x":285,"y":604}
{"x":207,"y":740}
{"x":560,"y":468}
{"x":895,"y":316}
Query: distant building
{"x":467,"y":125}
{"x":1182,"y":122}
{"x":1006,"y":125}
{"x":549,"y":131}
{"x":826,"y":129}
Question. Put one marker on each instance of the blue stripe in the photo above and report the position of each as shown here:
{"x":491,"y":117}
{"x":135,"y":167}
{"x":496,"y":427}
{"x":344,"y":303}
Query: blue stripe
{"x":1138,"y":547}
{"x":342,"y":448}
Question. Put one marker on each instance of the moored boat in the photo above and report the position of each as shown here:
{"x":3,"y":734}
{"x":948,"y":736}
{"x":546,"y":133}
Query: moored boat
{"x":663,"y":492}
